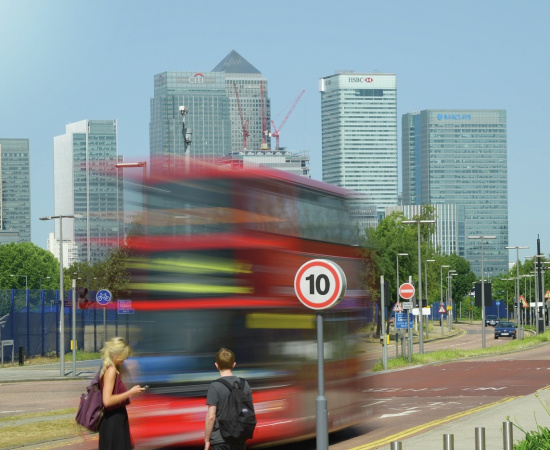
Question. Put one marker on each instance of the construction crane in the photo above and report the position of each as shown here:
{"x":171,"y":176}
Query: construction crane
{"x":264,"y":120}
{"x":244,"y":123}
{"x":277,"y":131}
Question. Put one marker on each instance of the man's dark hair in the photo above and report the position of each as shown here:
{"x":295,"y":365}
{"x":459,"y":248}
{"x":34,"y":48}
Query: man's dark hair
{"x":225,"y":359}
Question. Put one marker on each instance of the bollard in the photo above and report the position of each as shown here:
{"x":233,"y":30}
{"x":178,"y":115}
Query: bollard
{"x":448,"y":442}
{"x":21,"y":359}
{"x":507,"y":435}
{"x":480,"y":438}
{"x":395,"y":445}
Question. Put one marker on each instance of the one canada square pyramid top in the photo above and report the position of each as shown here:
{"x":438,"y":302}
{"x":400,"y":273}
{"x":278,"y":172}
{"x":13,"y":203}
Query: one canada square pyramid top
{"x":235,"y":63}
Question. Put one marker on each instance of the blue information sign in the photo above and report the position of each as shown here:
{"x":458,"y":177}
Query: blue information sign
{"x":103,"y":297}
{"x":401,"y":320}
{"x":125,"y":307}
{"x":497,"y":303}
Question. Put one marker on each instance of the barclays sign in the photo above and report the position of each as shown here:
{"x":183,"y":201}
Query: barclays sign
{"x":454,"y":117}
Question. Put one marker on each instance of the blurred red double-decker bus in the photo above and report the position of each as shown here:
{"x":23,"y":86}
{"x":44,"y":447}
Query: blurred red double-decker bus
{"x":214,"y":267}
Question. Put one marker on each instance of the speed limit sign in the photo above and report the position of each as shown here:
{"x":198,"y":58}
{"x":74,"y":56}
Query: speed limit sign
{"x":320,"y":284}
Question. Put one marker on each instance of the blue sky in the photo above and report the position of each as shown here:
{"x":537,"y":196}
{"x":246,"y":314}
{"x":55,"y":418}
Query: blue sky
{"x":64,"y":61}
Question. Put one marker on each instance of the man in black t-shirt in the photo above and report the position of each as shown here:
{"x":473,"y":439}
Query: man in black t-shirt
{"x":216,"y":399}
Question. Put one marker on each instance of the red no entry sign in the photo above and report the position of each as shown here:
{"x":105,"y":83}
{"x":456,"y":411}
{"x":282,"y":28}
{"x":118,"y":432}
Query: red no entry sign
{"x":406,"y":291}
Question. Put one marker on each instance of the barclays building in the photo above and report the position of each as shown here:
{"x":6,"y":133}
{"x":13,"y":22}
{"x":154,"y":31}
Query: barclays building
{"x":460,"y":157}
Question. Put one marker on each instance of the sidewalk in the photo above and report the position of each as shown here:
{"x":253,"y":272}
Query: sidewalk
{"x":48,"y":372}
{"x":523,"y":411}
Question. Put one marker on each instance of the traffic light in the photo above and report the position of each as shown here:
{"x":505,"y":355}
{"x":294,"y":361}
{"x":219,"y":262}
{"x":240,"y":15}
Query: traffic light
{"x":488,"y":297}
{"x":83,"y":302}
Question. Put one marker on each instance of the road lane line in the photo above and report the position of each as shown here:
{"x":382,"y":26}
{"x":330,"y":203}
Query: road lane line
{"x":419,"y":428}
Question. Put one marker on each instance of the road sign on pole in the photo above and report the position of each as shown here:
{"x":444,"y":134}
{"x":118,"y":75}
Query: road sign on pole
{"x":320,"y":284}
{"x":406,"y":291}
{"x":103,"y":297}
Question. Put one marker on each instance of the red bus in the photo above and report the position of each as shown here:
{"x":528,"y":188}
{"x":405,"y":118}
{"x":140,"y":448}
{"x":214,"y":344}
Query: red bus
{"x":215,"y":267}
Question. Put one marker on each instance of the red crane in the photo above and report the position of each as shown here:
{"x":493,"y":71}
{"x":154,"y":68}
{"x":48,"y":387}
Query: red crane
{"x":277,"y":131}
{"x":244,"y":123}
{"x":264,"y":121}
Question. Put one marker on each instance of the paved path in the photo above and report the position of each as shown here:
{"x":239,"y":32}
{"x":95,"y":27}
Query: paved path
{"x":426,"y":437}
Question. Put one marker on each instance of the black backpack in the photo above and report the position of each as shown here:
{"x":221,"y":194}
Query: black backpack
{"x":237,"y":420}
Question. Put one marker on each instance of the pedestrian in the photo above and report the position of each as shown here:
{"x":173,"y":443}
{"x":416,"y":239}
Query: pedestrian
{"x":114,"y":430}
{"x":217,"y":400}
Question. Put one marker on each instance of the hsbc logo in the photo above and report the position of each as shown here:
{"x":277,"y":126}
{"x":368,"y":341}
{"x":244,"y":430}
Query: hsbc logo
{"x":198,"y":78}
{"x":360,"y":80}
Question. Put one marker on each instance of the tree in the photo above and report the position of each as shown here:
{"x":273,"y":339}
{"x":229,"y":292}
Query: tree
{"x":25,"y":259}
{"x":111,"y":273}
{"x":391,"y":237}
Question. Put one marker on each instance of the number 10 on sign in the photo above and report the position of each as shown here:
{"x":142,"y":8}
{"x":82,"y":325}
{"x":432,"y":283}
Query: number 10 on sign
{"x":320,"y":284}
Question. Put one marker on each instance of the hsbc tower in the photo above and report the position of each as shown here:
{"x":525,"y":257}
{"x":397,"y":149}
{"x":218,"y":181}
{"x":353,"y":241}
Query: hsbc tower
{"x":359,"y":138}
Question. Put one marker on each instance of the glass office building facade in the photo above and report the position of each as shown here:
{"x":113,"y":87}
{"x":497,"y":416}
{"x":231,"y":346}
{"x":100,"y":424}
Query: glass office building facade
{"x":214,"y":116}
{"x":15,"y":198}
{"x":204,"y":95}
{"x":460,"y":157}
{"x":359,"y":136}
{"x":87,"y":182}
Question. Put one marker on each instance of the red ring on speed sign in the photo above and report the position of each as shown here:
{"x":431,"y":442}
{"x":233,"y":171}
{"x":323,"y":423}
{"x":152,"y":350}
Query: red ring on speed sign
{"x":334,"y":275}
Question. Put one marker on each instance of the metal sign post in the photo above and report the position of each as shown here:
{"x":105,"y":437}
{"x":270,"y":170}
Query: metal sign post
{"x":103,"y":298}
{"x":320,"y":284}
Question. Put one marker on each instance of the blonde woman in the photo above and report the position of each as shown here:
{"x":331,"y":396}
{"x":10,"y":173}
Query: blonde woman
{"x":114,"y":430}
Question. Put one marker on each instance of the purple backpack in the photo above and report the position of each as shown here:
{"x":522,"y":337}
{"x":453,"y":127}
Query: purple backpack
{"x":90,"y":410}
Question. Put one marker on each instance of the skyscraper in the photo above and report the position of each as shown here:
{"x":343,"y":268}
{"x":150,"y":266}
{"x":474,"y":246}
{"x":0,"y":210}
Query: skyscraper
{"x":15,"y":198}
{"x":252,"y":108}
{"x":203,"y":94}
{"x":359,"y":135}
{"x":215,"y":116}
{"x":460,"y":157}
{"x":86,"y":182}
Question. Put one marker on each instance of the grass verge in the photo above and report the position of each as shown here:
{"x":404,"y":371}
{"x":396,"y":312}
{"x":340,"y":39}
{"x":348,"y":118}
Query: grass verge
{"x":451,"y":355}
{"x":52,"y":359}
{"x":29,"y":428}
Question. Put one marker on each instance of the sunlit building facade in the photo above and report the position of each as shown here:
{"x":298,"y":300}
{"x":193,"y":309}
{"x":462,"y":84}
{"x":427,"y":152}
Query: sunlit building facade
{"x":359,"y":135}
{"x":86,"y":182}
{"x":204,"y":97}
{"x":460,"y":157}
{"x":221,"y":106}
{"x":15,"y":197}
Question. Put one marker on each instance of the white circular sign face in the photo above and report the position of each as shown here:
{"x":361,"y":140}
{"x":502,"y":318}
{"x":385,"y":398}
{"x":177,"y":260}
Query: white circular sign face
{"x":320,"y":284}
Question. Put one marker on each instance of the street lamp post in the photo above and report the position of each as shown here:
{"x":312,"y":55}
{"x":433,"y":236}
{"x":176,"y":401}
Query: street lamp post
{"x":517,"y":247}
{"x":426,"y":281}
{"x":481,"y":239}
{"x":61,"y":300}
{"x":28,"y":309}
{"x":129,"y":165}
{"x":26,"y":281}
{"x":45,"y":278}
{"x":441,"y":294}
{"x":397,"y":278}
{"x":419,"y":297}
{"x":397,"y":289}
{"x":539,"y":311}
{"x":450,"y":275}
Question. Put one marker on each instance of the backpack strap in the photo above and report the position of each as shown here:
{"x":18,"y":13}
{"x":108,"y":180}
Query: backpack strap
{"x":229,"y":385}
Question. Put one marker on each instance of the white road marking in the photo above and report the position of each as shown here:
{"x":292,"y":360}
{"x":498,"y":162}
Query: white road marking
{"x":484,"y":389}
{"x":404,"y":413}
